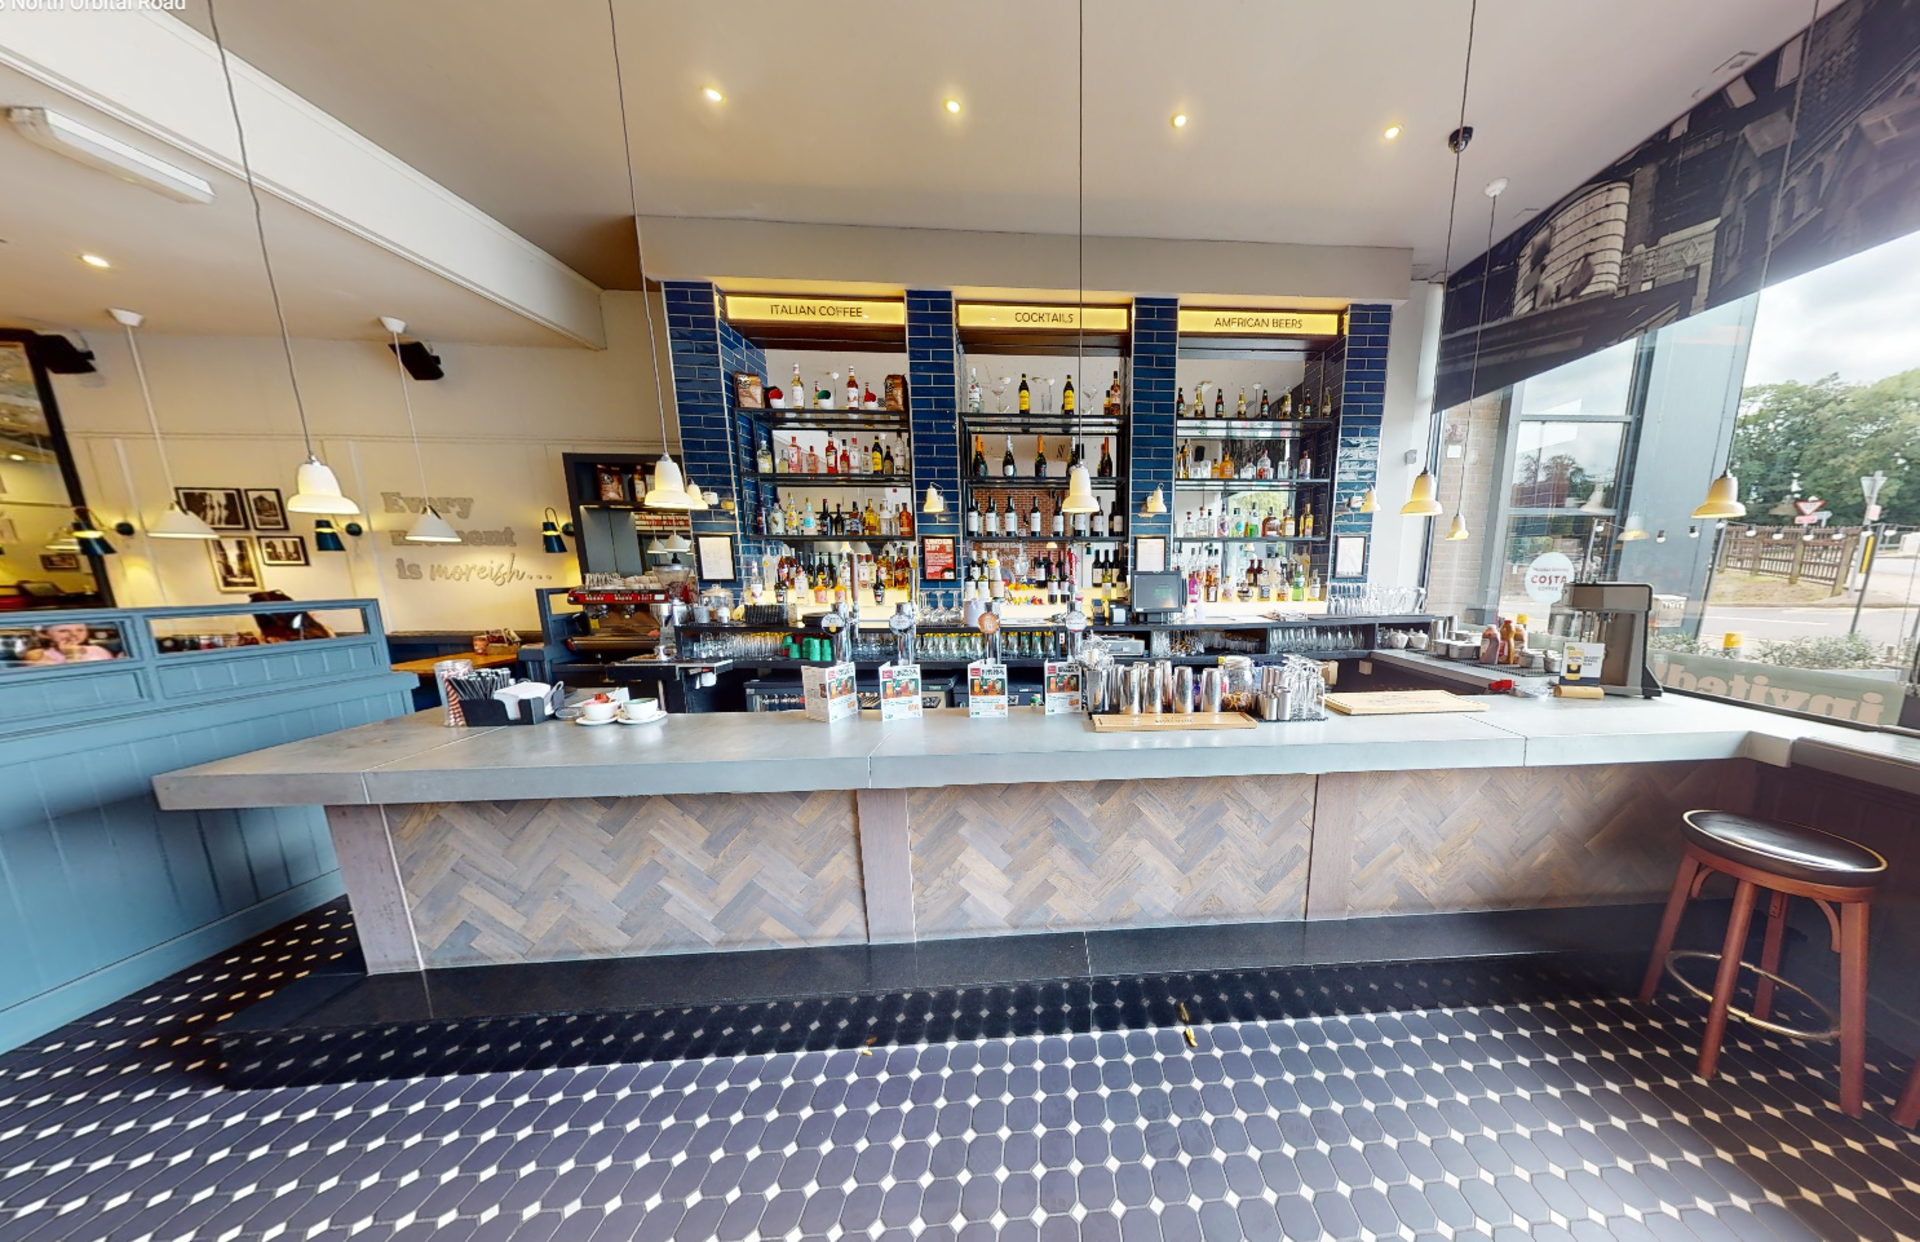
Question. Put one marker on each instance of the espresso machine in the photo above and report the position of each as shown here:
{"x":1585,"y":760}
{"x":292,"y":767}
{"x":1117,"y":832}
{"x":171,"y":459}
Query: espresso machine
{"x":1616,"y":614}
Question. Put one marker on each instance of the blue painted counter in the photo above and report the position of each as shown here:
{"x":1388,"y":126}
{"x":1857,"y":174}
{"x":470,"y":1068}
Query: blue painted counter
{"x":103,"y":892}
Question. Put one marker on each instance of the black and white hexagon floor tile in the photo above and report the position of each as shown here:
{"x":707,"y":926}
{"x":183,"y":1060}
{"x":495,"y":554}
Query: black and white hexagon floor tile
{"x":1578,"y":1120}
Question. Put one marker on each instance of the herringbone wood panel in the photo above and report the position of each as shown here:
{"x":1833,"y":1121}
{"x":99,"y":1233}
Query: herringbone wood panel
{"x":1506,"y":838}
{"x":1082,"y":854}
{"x":597,"y":877}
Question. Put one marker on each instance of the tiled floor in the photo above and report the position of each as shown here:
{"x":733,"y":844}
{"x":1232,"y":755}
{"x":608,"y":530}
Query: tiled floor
{"x":1575,"y":1120}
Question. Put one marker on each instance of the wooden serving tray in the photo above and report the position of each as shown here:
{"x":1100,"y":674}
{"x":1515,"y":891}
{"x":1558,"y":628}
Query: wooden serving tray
{"x":1401,"y":703}
{"x":1165,"y":721}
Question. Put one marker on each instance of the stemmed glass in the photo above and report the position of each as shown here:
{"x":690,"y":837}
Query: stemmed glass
{"x":1000,"y":393}
{"x":1048,"y":408}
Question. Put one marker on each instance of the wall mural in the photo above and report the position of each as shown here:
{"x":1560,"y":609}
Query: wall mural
{"x":1681,"y":222}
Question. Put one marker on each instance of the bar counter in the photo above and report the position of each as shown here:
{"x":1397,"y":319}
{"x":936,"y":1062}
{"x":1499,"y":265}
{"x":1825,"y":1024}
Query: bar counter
{"x":745,"y":831}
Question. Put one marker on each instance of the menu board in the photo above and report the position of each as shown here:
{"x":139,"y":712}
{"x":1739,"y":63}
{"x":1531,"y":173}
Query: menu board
{"x":936,"y":559}
{"x":986,"y":689}
{"x":830,"y":693}
{"x":1583,"y":662}
{"x":1062,"y":688}
{"x":900,"y":692}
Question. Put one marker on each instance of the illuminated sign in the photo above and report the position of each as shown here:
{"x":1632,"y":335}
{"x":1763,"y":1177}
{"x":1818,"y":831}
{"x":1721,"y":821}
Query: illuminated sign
{"x":813,"y":310}
{"x":1042,"y":318}
{"x":1211,"y":321}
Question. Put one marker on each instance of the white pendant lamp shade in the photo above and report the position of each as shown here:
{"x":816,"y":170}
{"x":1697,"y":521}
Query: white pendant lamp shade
{"x":1597,"y":501}
{"x":177,"y":523}
{"x":430,"y":527}
{"x":317,"y":490}
{"x":1458,"y":530}
{"x":1723,"y":500}
{"x":1368,"y":503}
{"x":1157,"y":502}
{"x":1424,"y":500}
{"x":1079,"y":497}
{"x":935,"y":502}
{"x":1635,"y":529}
{"x":669,"y":491}
{"x":678,"y":542}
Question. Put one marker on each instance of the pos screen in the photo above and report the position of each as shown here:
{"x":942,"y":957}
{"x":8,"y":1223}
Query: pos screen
{"x":1159,"y":592}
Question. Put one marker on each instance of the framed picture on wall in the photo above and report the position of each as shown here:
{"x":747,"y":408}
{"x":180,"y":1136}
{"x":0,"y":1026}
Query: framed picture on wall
{"x":714,"y":555}
{"x":1150,"y":554}
{"x":283,"y":550}
{"x":610,"y":484}
{"x":1349,"y":556}
{"x":222,"y":508}
{"x":265,"y":509}
{"x":236,"y":564}
{"x":60,"y":562}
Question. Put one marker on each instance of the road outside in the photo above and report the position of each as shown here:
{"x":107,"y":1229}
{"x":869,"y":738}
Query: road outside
{"x":1888,"y":619}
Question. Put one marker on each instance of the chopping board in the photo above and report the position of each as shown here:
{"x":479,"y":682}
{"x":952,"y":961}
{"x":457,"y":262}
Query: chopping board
{"x":1161,"y":722}
{"x":1401,"y":703}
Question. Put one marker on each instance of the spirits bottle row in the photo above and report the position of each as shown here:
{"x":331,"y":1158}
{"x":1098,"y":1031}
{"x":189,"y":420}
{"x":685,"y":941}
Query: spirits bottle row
{"x":1011,"y":468}
{"x":1261,"y":518}
{"x":1214,"y":578}
{"x":1029,"y":399}
{"x":1281,"y":407}
{"x":1042,"y":579}
{"x":788,"y":517}
{"x":887,"y":455}
{"x":1002,"y":516}
{"x":1194,"y":463}
{"x":827,"y":393}
{"x":842,"y":579}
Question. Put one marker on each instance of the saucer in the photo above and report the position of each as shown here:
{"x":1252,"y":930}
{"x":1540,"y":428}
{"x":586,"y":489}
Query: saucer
{"x":655,"y":718}
{"x":594,"y":724}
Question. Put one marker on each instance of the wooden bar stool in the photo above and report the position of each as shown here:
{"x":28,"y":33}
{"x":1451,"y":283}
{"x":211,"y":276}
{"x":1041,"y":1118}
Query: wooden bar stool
{"x":1787,"y":860}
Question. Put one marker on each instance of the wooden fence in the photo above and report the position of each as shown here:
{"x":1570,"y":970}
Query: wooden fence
{"x":1786,"y":552}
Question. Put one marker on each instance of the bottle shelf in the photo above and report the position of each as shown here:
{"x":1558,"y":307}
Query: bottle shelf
{"x":1245,"y":429}
{"x":1027,"y":483}
{"x":834,"y":538}
{"x":1245,"y":485}
{"x":1014,"y":423}
{"x":896,"y":422}
{"x":1249,"y":538}
{"x":1042,"y":539}
{"x":876,"y":481}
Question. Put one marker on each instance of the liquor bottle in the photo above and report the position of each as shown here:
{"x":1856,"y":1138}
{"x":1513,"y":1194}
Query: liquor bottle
{"x":1240,"y":411}
{"x":879,"y":586}
{"x":1040,"y":457}
{"x":853,"y":391}
{"x":1289,"y":526}
{"x":886,"y":461}
{"x":1180,"y":403}
{"x":793,"y":454}
{"x":1034,"y":518}
{"x":1026,"y":396}
{"x":1270,"y":527}
{"x":906,"y":523}
{"x":973,"y":518}
{"x":813,"y":460}
{"x":1117,"y":520}
{"x":833,"y":457}
{"x":878,"y":460}
{"x":840,"y":519}
{"x":1114,"y":396}
{"x":979,"y":459}
{"x":1306,"y":464}
{"x":1219,"y":403}
{"x":1066,"y":396}
{"x":763,"y":454}
{"x":797,"y":392}
{"x":1059,"y":522}
{"x":1106,"y":459}
{"x":846,"y":458}
{"x":1306,"y":524}
{"x":1180,"y":468}
{"x":1006,"y":463}
{"x":973,"y":390}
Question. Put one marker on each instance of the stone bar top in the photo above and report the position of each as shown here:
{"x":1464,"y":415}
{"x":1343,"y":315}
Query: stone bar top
{"x":418,"y":759}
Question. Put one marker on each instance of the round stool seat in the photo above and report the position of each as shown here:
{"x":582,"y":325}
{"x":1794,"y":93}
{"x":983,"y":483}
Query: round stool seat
{"x":1787,"y":850}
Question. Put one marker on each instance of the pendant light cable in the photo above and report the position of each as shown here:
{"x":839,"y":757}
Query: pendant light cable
{"x":406,"y":392}
{"x":1479,"y":331}
{"x":1080,"y":228}
{"x":260,"y":224}
{"x":633,"y":209}
{"x":146,"y":396}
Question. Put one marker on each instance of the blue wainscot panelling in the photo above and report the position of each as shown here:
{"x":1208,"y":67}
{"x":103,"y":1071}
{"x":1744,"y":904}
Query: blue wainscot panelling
{"x":101,"y":892}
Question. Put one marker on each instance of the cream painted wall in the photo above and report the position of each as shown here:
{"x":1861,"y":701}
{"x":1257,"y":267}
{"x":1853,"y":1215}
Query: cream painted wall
{"x":1412,"y":351}
{"x":492,"y":432}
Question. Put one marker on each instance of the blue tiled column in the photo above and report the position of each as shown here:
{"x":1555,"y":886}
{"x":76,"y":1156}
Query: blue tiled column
{"x":737,"y":353}
{"x":702,"y":398}
{"x":1362,"y":402}
{"x":1156,"y":348}
{"x":933,"y":381}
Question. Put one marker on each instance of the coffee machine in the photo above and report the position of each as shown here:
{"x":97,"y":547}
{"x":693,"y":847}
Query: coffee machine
{"x":1615,"y":614}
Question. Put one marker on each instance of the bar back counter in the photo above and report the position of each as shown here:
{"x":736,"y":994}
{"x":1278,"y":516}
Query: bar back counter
{"x":575,"y":866}
{"x":105,"y":892}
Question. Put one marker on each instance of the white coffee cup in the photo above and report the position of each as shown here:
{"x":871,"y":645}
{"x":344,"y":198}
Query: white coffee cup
{"x":639,"y":709}
{"x":598,"y":708}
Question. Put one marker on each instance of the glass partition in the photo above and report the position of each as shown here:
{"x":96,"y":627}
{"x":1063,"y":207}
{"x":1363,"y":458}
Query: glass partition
{"x":59,"y":643}
{"x":41,"y":564}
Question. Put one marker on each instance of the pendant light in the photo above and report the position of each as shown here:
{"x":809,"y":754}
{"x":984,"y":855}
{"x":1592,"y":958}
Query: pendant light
{"x":1458,"y":530}
{"x":669,"y":489}
{"x":1423,"y":499}
{"x":1079,"y":497}
{"x":1157,"y":502}
{"x":550,"y":538}
{"x":1596,"y":500}
{"x":1633,"y":531}
{"x":429,"y":527}
{"x":316,"y":488}
{"x":935,"y":502}
{"x":175,"y":523}
{"x":1368,"y":503}
{"x":326,"y":538}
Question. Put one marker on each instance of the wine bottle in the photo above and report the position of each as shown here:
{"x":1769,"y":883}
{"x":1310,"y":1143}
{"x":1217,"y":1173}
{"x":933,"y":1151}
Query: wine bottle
{"x":1099,"y":521}
{"x":1026,"y":396}
{"x":1114,"y":397}
{"x":1059,"y":522}
{"x":979,"y":459}
{"x":1006,"y":462}
{"x":1040,"y":457}
{"x":1117,"y":520}
{"x":1106,"y":459}
{"x":991,"y":521}
{"x":973,"y":518}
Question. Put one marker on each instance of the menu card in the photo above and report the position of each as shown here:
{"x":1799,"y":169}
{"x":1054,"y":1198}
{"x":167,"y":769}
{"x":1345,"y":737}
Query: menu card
{"x":1582,"y":664}
{"x":986,"y":689}
{"x":900,"y":692}
{"x":1063,"y":688}
{"x":829,"y":691}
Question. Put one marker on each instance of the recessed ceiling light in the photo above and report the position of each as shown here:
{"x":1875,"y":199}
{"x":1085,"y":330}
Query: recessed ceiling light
{"x":16,"y":456}
{"x":1179,"y":120}
{"x":94,"y":260}
{"x":713,"y":94}
{"x":953,"y":106}
{"x":1392,"y":132}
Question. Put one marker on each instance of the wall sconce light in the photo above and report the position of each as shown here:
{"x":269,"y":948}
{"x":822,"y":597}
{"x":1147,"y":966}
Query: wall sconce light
{"x":550,"y":533}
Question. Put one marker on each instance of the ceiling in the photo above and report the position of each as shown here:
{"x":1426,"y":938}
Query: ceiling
{"x":833,"y":109}
{"x":196,"y":268}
